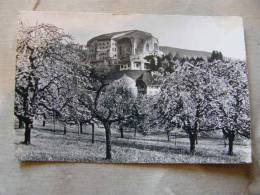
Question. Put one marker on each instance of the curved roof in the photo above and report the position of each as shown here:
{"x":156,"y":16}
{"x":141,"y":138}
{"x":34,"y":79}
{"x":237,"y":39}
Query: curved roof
{"x":147,"y":78}
{"x":137,"y":75}
{"x":134,"y":74}
{"x":120,"y":35}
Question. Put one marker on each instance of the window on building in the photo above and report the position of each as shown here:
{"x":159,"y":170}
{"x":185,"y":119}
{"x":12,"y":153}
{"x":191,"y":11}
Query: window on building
{"x":137,"y":64}
{"x":147,"y":47}
{"x":155,"y":46}
{"x":120,"y":50}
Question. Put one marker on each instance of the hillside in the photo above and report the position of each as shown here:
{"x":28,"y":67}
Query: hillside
{"x":184,"y":52}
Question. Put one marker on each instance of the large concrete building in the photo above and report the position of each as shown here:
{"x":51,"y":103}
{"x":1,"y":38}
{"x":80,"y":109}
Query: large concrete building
{"x":125,"y":50}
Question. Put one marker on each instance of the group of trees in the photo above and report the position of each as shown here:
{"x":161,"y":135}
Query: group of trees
{"x":204,"y":96}
{"x":53,"y":79}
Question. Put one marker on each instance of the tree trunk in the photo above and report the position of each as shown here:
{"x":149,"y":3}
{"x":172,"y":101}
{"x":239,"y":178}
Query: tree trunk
{"x":230,"y":147}
{"x":21,"y":124}
{"x":192,"y":142}
{"x":53,"y":120}
{"x":108,"y":140}
{"x":175,"y":137}
{"x":27,"y":134}
{"x":135,"y":131}
{"x":225,"y":143}
{"x":80,"y":127}
{"x":121,"y":130}
{"x":93,"y":133}
{"x":43,"y":121}
{"x":64,"y":129}
{"x":196,"y":138}
{"x":168,"y":135}
{"x":54,"y":125}
{"x":230,"y":143}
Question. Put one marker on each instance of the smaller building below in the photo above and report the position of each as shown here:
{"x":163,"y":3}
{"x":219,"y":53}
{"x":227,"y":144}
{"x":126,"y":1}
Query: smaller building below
{"x":140,"y":81}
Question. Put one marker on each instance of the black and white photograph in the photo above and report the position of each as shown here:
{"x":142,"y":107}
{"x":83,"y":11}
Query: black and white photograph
{"x":131,"y":88}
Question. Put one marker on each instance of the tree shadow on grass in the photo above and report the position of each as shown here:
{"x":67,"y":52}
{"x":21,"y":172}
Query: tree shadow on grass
{"x":140,"y":144}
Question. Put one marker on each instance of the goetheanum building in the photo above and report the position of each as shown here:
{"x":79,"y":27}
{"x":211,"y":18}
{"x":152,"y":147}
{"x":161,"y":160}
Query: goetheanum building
{"x":125,"y":50}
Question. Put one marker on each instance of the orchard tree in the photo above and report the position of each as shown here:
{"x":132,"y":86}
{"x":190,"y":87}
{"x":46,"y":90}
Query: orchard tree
{"x":85,"y":89}
{"x":166,"y":112}
{"x":139,"y":114}
{"x":233,"y":102}
{"x":112,"y":104}
{"x":38,"y":52}
{"x":81,"y":83}
{"x":56,"y":100}
{"x":109,"y":103}
{"x":62,"y":99}
{"x":186,"y":101}
{"x":145,"y":116}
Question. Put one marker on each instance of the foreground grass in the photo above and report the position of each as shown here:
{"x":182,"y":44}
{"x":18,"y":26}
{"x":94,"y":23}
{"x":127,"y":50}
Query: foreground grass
{"x":50,"y":146}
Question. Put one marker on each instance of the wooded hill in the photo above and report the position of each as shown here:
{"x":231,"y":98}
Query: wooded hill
{"x":184,"y":52}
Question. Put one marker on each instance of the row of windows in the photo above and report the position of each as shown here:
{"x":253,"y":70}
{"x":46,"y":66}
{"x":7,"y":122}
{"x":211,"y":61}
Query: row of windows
{"x":124,"y":51}
{"x":103,"y":54}
{"x":147,"y":46}
{"x":93,"y":50}
{"x":114,"y":49}
{"x":102,"y":57}
{"x":137,"y":65}
{"x":125,"y":66}
{"x":104,"y":43}
{"x":103,"y":47}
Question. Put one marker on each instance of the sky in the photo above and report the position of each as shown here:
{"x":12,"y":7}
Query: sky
{"x":203,"y":33}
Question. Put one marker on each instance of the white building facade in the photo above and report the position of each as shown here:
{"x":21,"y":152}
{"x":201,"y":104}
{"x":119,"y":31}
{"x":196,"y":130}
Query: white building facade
{"x":124,"y":50}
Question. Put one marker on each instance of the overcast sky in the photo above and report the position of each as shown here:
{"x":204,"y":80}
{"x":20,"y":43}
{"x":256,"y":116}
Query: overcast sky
{"x":204,"y":33}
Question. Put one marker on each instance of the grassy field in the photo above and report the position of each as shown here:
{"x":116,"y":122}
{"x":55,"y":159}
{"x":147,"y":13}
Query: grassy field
{"x":54,"y":146}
